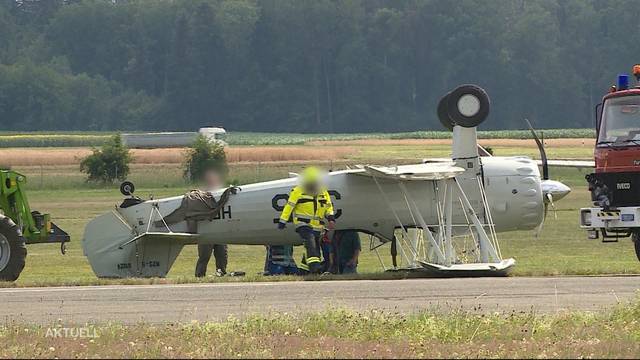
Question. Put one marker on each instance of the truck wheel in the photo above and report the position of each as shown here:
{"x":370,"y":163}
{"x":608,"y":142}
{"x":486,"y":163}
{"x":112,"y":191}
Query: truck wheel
{"x":636,"y":243}
{"x":13,"y":251}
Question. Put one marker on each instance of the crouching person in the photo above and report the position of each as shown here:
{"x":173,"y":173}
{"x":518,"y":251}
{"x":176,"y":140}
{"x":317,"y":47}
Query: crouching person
{"x":347,"y":246}
{"x":280,"y":260}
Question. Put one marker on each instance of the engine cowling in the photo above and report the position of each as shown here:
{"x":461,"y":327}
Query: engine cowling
{"x":514,"y":192}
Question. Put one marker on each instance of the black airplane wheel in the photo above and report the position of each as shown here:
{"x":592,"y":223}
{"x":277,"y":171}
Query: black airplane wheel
{"x":127,"y":188}
{"x":468,"y":105}
{"x":443,"y":114}
{"x":13,"y":252}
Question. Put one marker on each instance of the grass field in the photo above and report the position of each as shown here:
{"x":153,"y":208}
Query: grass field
{"x":561,"y":248}
{"x":337,"y":333}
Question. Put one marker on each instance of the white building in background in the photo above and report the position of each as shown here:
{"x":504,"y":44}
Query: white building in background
{"x":173,"y":139}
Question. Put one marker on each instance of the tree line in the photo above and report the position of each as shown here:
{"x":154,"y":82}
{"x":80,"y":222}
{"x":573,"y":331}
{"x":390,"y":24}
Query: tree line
{"x":305,"y":65}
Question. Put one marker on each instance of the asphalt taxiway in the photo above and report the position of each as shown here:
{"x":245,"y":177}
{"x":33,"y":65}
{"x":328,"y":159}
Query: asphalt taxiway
{"x":202,"y":302}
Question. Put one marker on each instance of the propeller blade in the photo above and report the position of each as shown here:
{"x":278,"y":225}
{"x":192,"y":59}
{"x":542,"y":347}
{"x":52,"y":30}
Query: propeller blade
{"x":543,"y":153}
{"x":539,"y":228}
{"x":549,"y":201}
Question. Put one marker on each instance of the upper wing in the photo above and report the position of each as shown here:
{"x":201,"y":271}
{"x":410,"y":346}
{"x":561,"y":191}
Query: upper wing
{"x":578,"y":164}
{"x":429,"y":171}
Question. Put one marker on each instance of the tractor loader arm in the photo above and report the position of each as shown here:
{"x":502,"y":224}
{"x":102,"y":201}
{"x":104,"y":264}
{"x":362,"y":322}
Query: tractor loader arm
{"x":36,"y":227}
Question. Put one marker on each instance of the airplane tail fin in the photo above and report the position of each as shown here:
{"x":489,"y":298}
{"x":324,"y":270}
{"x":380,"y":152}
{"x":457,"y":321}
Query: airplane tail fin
{"x":115,"y":250}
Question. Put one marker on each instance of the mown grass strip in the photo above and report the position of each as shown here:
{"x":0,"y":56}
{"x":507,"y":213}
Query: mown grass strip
{"x":335,"y":332}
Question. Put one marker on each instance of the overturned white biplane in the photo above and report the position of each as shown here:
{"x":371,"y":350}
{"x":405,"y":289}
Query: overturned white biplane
{"x":458,"y":205}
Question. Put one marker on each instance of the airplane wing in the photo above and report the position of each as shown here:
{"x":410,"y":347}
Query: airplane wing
{"x":437,"y":160}
{"x":577,"y":164}
{"x":429,"y":171}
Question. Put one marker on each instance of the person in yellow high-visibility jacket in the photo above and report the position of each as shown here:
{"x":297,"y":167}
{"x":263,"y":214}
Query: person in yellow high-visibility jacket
{"x":309,"y":206}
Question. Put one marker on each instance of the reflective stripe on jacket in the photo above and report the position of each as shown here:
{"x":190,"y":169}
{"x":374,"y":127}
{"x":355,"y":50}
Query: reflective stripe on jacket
{"x":306,"y":261}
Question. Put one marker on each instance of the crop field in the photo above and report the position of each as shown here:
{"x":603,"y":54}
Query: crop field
{"x":82,"y":139}
{"x":73,"y":156}
{"x":365,"y":150}
{"x":561,"y":247}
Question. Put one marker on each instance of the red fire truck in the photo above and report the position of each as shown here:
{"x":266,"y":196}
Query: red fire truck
{"x":615,"y":184}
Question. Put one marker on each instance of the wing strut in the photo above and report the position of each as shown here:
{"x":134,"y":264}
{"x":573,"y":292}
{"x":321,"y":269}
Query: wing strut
{"x":169,"y":235}
{"x":405,"y":234}
{"x":423,"y":250}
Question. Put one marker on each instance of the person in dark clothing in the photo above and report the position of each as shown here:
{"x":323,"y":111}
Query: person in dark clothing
{"x":328,"y":258}
{"x":204,"y":255}
{"x":213,"y":182}
{"x":347,"y":247}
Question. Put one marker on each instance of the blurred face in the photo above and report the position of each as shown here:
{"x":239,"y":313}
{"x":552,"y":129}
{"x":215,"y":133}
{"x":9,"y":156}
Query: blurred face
{"x":312,"y":187}
{"x":212,"y":179}
{"x":313,"y":182}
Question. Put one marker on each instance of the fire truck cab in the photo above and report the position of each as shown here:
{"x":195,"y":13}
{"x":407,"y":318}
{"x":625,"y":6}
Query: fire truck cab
{"x":615,"y":184}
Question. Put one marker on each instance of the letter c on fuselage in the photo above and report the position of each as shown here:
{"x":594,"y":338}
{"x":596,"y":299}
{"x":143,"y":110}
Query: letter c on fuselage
{"x":279,"y":200}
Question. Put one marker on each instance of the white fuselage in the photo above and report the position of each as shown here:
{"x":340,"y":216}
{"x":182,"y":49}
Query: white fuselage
{"x":512,"y":187}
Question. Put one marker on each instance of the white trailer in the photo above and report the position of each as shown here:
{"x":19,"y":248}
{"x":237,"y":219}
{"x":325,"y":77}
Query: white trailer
{"x":173,"y":139}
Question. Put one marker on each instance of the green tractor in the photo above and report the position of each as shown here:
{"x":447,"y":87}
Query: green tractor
{"x":20,"y":226}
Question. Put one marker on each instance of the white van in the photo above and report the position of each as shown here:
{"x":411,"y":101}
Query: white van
{"x":173,"y":139}
{"x":216,"y":134}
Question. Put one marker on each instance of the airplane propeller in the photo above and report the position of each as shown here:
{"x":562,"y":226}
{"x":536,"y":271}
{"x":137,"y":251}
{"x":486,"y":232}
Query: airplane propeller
{"x":543,"y":153}
{"x":551,"y":189}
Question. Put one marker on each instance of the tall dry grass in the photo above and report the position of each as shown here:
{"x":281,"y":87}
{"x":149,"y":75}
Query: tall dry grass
{"x":287,"y":153}
{"x":73,"y":156}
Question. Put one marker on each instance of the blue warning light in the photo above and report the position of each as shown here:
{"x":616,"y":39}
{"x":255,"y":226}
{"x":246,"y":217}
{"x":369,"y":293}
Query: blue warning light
{"x":623,"y":82}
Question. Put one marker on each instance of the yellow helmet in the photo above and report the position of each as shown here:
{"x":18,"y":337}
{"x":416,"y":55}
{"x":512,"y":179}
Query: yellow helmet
{"x":311,"y":175}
